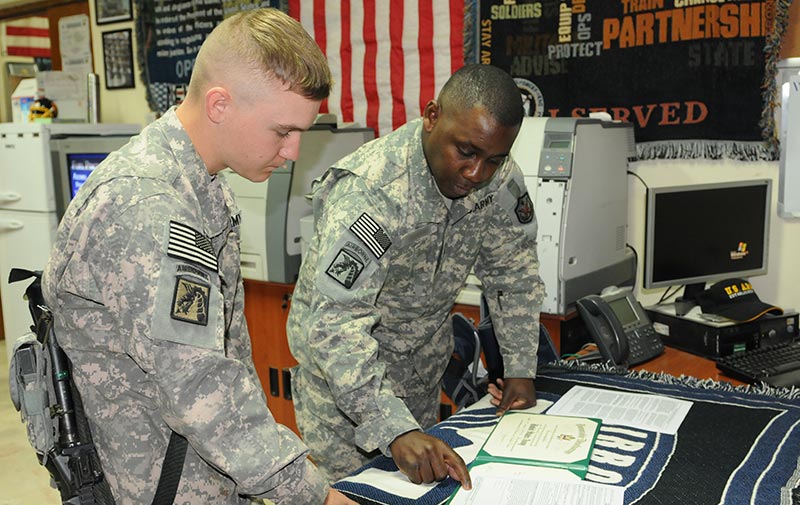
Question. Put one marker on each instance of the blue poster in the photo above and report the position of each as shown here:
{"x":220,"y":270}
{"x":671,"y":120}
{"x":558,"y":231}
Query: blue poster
{"x":169,"y":36}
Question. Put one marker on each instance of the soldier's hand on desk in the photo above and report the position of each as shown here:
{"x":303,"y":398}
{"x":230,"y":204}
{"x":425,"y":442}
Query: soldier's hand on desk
{"x":424,"y":458}
{"x":337,"y":498}
{"x":512,"y":394}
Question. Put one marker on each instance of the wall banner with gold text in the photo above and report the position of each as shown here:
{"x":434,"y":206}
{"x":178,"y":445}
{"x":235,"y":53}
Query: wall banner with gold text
{"x":687,"y":73}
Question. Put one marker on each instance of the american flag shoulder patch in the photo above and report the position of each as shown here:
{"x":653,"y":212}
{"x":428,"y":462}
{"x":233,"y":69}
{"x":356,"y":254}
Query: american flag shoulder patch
{"x":371,"y":233}
{"x":189,"y":244}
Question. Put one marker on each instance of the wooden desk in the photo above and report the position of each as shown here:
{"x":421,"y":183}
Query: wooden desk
{"x":676,"y":362}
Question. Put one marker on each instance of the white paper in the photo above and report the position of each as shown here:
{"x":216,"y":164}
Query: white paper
{"x":501,"y":484}
{"x":67,"y":90}
{"x":657,"y":413}
{"x":396,"y":483}
{"x":74,"y":42}
{"x":541,"y":437}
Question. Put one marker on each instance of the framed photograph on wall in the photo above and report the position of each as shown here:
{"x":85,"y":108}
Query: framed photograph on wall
{"x":118,"y":59}
{"x":112,"y":11}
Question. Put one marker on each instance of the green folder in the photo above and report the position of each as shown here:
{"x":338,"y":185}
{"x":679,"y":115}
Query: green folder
{"x":540,"y":440}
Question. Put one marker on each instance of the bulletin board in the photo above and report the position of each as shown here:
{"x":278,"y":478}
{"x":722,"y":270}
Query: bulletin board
{"x":691,"y":76}
{"x":169,"y":35}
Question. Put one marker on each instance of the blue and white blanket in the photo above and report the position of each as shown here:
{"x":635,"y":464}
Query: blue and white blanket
{"x":737,"y":445}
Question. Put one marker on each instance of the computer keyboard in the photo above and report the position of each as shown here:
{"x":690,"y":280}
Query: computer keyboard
{"x":777,"y":365}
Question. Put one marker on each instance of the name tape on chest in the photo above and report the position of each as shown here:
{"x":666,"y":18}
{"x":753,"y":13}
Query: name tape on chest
{"x":189,"y":244}
{"x":371,"y":233}
{"x":483,"y":203}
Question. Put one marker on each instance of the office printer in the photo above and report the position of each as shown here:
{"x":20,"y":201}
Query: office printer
{"x":271,"y":210}
{"x":576,"y":174}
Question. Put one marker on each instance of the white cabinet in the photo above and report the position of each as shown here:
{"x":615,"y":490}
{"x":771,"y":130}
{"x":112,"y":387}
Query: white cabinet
{"x":28,"y":218}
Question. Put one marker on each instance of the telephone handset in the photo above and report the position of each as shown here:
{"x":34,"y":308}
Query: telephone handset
{"x":620,"y":327}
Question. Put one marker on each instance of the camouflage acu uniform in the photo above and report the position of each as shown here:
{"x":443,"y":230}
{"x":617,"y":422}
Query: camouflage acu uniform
{"x":145,"y":283}
{"x":369,"y":323}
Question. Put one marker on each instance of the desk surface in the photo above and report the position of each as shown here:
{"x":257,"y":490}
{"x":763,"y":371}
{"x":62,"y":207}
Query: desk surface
{"x":676,"y":362}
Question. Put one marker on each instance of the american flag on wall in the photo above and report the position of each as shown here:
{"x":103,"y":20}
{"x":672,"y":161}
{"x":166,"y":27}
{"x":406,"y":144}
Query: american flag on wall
{"x":27,"y":37}
{"x":388,"y":57}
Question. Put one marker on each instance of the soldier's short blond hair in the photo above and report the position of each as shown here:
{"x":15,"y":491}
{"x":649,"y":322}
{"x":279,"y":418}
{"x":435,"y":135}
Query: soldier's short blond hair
{"x":269,"y":43}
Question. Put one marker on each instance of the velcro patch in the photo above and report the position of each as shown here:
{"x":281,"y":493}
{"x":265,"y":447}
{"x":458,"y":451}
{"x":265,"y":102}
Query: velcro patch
{"x":190,"y":301}
{"x":345,"y":268}
{"x":371,"y":233}
{"x":524,"y":209}
{"x":189,"y":244}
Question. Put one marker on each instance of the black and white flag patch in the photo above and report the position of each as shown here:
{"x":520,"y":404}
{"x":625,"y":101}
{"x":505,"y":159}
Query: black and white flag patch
{"x":189,"y":244}
{"x":371,"y":233}
{"x":190,"y":301}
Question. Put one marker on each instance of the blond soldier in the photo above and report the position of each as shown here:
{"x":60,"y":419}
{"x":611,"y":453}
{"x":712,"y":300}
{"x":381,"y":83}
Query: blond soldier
{"x":145,"y":283}
{"x":398,"y":226}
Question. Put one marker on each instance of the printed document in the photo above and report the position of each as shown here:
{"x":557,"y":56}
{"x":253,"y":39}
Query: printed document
{"x":657,"y":413}
{"x":501,"y":483}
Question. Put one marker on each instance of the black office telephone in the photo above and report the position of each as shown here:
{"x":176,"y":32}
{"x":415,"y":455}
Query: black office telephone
{"x":620,"y":327}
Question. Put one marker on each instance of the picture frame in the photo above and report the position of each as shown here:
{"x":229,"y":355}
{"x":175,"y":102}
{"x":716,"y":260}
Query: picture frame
{"x":113,"y":11}
{"x":118,"y":59}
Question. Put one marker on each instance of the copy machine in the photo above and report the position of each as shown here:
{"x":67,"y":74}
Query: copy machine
{"x":576,"y":174}
{"x":271,"y":210}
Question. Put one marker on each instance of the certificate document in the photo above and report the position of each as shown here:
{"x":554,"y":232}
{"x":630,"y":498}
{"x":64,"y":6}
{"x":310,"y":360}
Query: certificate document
{"x":541,"y":440}
{"x":536,"y":454}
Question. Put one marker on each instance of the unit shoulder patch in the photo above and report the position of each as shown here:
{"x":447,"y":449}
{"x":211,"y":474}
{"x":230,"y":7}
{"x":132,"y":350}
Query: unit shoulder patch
{"x":524,"y":209}
{"x":345,"y":268}
{"x":190,"y":301}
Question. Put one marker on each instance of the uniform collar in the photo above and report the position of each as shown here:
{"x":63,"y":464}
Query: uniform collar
{"x":427,"y":202}
{"x":213,"y":194}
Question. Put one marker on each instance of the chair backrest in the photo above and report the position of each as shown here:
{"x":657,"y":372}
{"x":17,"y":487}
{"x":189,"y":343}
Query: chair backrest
{"x":461,"y":381}
{"x":489,"y":344}
{"x":547,"y":352}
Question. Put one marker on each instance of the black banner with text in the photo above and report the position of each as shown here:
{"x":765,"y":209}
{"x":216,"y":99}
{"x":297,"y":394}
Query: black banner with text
{"x":169,"y":35}
{"x":687,"y":73}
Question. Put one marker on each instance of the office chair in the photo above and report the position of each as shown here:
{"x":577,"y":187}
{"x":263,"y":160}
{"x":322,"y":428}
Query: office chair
{"x":462,"y":378}
{"x":467,"y":377}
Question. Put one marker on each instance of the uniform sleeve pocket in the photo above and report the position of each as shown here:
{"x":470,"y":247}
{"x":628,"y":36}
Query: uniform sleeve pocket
{"x":79,"y":280}
{"x":188,"y":306}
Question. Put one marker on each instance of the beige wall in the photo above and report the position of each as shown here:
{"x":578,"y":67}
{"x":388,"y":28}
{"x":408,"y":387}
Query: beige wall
{"x":118,"y":105}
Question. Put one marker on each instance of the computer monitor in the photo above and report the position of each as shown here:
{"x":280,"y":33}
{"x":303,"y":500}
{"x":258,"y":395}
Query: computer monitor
{"x":706,"y":233}
{"x":73,"y":159}
{"x":79,"y":166}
